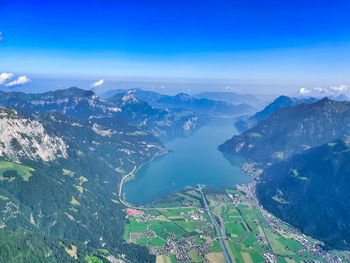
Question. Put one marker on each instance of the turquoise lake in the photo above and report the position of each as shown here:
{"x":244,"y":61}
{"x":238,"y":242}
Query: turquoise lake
{"x":193,"y":160}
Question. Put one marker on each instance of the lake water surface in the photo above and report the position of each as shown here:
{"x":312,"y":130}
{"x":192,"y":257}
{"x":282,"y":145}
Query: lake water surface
{"x":194,"y":160}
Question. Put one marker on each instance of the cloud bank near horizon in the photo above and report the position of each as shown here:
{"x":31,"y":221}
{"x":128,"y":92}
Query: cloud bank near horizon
{"x":329,"y":91}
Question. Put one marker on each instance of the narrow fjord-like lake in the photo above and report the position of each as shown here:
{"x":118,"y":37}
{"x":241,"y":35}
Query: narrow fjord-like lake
{"x":193,"y":160}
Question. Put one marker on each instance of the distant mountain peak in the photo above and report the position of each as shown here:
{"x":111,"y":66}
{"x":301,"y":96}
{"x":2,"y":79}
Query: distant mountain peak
{"x":279,"y":103}
{"x":325,"y":100}
{"x":72,"y":92}
{"x":183,"y":96}
{"x":327,"y":103}
{"x":283,"y":98}
{"x":341,"y":97}
{"x":129,"y":97}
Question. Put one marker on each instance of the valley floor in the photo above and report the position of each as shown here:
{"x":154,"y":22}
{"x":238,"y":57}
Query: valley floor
{"x":183,"y":234}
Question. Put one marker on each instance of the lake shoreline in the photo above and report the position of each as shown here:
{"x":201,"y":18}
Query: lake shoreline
{"x":132,"y":177}
{"x":194,"y":160}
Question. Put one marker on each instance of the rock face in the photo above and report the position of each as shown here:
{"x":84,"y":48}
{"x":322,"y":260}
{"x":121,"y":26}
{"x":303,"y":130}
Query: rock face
{"x":281,"y":102}
{"x":311,"y":191}
{"x":292,"y":130}
{"x":22,"y":137}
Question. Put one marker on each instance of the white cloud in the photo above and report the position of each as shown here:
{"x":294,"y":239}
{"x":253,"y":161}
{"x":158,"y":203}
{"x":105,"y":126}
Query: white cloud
{"x":97,"y":83}
{"x":20,"y":81}
{"x":230,"y":88}
{"x":340,"y":88}
{"x":320,"y":89}
{"x":303,"y":91}
{"x":324,"y":91}
{"x":5,"y":76}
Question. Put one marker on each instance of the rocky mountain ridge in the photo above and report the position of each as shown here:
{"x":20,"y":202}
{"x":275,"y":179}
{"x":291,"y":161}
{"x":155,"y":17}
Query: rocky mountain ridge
{"x":292,"y":130}
{"x":281,"y":102}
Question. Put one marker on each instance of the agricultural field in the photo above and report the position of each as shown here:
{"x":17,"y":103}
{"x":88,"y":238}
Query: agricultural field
{"x":254,"y":237}
{"x":186,"y":234}
{"x":187,"y":231}
{"x":176,"y":234}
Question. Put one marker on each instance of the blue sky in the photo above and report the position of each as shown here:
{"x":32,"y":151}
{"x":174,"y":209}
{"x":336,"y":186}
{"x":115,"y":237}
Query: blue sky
{"x":257,"y":41}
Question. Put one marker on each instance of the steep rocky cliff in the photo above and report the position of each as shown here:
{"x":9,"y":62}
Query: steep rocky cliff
{"x":26,"y":138}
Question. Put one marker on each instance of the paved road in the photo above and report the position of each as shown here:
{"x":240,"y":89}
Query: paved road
{"x":121,"y":186}
{"x":220,"y":232}
{"x":223,"y":233}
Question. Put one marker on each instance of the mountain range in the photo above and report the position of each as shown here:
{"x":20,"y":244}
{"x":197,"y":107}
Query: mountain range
{"x":63,"y":154}
{"x":230,"y":97}
{"x":146,"y":95}
{"x":292,"y":130}
{"x":304,"y":152}
{"x":212,"y":106}
{"x":62,"y":157}
{"x":162,"y":122}
{"x":245,"y":123}
{"x":203,"y":106}
{"x":59,"y":179}
{"x":122,"y":113}
{"x":151,"y":96}
{"x":310,"y":190}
